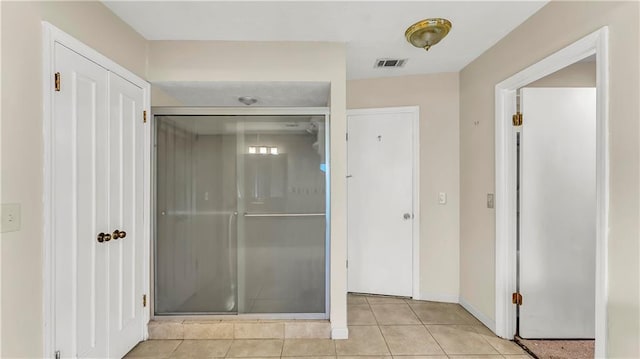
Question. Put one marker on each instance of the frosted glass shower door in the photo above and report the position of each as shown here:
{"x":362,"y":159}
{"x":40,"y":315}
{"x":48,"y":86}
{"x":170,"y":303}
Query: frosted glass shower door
{"x":240,"y":214}
{"x":281,"y":246}
{"x":195,"y":239}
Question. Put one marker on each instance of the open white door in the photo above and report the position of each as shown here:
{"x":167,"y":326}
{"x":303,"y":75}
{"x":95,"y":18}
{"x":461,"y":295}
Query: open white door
{"x":380,"y":162}
{"x":558,"y":213}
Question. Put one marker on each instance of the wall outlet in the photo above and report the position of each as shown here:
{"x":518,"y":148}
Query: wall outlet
{"x":442,"y":198}
{"x":490,"y":202}
{"x":10,"y":214}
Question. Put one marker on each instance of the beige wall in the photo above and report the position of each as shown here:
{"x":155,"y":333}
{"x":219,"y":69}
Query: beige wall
{"x":274,"y":61}
{"x":555,"y":26}
{"x":22,"y":146}
{"x":437,"y":96}
{"x":580,"y":74}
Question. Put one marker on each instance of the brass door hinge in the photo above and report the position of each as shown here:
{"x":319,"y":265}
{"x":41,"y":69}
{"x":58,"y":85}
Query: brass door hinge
{"x":144,"y":116}
{"x":517,"y":119}
{"x":144,"y":300}
{"x":516,"y":298}
{"x":57,"y":81}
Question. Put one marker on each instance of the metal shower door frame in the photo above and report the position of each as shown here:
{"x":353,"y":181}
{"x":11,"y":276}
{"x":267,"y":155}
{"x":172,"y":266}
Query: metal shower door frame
{"x":241,"y":111}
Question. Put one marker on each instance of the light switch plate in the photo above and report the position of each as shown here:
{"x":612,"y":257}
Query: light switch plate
{"x":10,"y":214}
{"x":442,"y":198}
{"x":490,"y":201}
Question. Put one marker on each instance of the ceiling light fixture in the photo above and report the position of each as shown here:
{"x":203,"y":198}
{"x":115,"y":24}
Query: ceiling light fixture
{"x":428,"y":32}
{"x":248,"y":100}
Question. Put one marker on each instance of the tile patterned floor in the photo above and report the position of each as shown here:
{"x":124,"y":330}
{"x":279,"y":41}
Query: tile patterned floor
{"x":379,"y":328}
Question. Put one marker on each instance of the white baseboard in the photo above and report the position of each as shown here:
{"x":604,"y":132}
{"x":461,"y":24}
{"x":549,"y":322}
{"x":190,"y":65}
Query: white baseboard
{"x":435,"y":297}
{"x":339,"y":333}
{"x":489,"y":323}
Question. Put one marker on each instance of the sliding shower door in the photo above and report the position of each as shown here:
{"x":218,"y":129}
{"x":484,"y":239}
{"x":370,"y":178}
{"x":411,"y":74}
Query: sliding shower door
{"x":240,"y":214}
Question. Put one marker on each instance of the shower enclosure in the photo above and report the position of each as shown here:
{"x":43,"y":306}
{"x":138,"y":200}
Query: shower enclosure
{"x":241,"y":212}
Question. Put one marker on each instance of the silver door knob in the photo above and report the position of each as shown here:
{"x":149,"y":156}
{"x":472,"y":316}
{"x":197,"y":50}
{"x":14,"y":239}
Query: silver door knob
{"x":406,"y":216}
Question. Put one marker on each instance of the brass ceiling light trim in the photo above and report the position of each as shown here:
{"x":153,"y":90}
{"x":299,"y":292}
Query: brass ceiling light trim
{"x":428,"y":32}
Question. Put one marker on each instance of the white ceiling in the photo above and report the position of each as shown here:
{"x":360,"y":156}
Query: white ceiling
{"x":371,"y":30}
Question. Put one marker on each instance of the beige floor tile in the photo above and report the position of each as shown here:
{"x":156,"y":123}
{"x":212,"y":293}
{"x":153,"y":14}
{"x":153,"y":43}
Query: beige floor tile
{"x":365,"y":357}
{"x":390,"y":314}
{"x":460,"y":339}
{"x":255,"y":348}
{"x":420,"y":357}
{"x":410,"y":340}
{"x":202,"y":349}
{"x":385,"y":300}
{"x":264,"y":330}
{"x":208,"y":330}
{"x":304,"y":347}
{"x":320,"y":357}
{"x":503,"y":346}
{"x":491,"y":356}
{"x":360,"y":315}
{"x":307,"y":330}
{"x":354,"y":299}
{"x":166,"y":329}
{"x":363,"y":340}
{"x":470,"y":319}
{"x":442,"y":313}
{"x":521,"y":356}
{"x":154,"y":349}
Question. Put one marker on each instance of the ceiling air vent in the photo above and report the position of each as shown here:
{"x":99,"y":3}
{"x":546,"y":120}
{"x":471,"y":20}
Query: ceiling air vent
{"x":387,"y":63}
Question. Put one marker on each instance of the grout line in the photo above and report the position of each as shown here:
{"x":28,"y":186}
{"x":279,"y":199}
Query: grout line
{"x":384,"y":339}
{"x":436,"y":340}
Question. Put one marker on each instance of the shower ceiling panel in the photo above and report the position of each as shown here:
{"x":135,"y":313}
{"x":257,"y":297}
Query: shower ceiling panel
{"x":268,"y":94}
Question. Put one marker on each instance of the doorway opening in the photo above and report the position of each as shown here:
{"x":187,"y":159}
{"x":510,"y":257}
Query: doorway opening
{"x":525,"y":241}
{"x":241,"y":212}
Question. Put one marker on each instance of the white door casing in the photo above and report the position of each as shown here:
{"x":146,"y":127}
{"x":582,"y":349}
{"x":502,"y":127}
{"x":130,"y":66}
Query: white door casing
{"x":126,"y":144}
{"x":381,"y":208}
{"x":558,"y":213}
{"x":80,"y":206}
{"x":98,"y":165}
{"x":505,"y":186}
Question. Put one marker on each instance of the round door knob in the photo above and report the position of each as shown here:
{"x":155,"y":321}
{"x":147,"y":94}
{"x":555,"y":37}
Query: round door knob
{"x":100,"y":237}
{"x":406,"y":216}
{"x":122,"y":234}
{"x":107,"y":237}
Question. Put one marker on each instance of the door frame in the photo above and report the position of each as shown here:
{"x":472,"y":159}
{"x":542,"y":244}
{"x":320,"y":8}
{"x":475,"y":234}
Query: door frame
{"x":50,"y":36}
{"x":243,"y":111}
{"x":414,"y":112}
{"x":505,"y":173}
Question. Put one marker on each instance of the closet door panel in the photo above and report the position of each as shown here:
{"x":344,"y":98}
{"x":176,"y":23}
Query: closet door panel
{"x":126,"y":166}
{"x":79,"y":190}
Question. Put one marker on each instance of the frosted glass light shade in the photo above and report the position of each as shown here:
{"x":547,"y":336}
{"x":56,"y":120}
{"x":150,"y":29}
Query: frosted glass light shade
{"x":428,"y":32}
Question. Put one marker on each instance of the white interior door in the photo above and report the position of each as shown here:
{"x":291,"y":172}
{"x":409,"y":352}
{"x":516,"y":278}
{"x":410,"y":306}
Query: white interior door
{"x":79,"y":156}
{"x":126,"y":165}
{"x":558,"y":213}
{"x":97,"y":187}
{"x":380,"y":202}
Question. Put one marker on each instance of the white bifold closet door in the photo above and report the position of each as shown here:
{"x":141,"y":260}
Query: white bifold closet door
{"x":126,"y":165}
{"x":558,"y":213}
{"x":97,"y":162}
